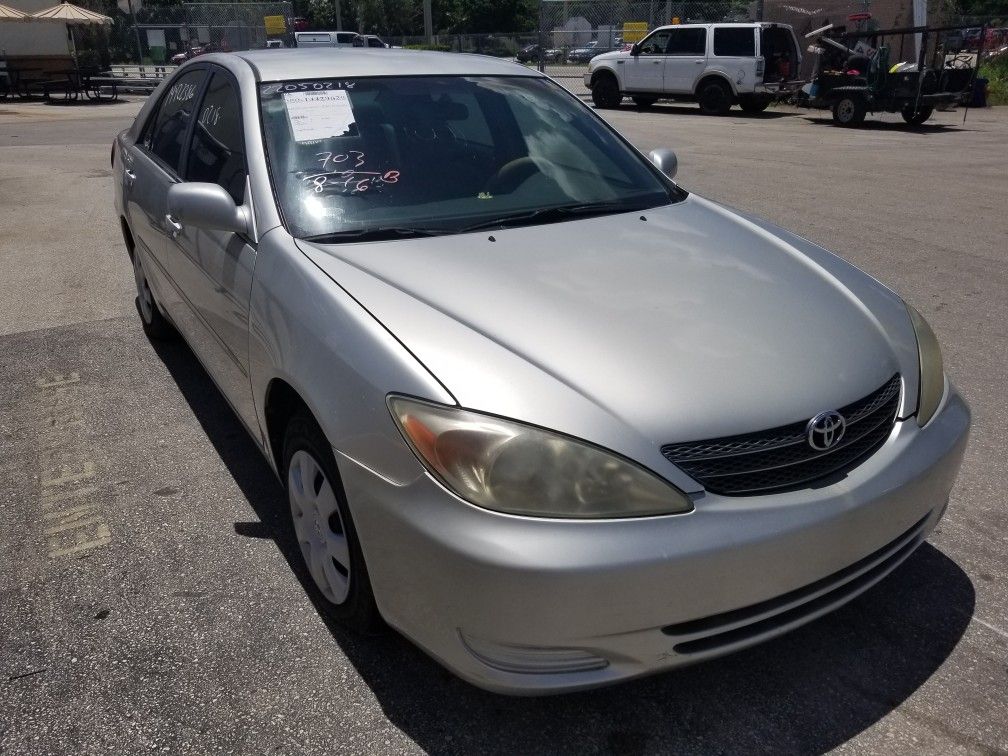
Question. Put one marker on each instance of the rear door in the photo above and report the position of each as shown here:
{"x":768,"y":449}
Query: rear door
{"x":734,"y":53}
{"x":644,"y":72}
{"x":685,"y":59}
{"x":152,"y":165}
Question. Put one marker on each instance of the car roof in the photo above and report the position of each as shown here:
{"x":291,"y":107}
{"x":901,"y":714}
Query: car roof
{"x":323,"y":62}
{"x":744,"y":24}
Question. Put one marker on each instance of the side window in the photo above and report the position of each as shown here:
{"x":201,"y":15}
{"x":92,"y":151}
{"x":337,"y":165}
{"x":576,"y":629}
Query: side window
{"x":218,"y":145}
{"x":734,"y":41}
{"x":688,"y":42}
{"x":166,"y":131}
{"x":655,"y":44}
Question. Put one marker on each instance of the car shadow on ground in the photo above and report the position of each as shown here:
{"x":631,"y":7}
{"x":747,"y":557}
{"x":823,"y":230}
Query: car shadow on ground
{"x":690,"y":109}
{"x":808,"y":691}
{"x":870,"y":124}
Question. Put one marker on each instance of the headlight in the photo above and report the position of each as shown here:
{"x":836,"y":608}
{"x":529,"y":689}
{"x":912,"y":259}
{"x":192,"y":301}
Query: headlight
{"x":515,"y":468}
{"x":932,"y":373}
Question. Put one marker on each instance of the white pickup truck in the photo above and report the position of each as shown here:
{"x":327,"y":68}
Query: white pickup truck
{"x":717,"y":65}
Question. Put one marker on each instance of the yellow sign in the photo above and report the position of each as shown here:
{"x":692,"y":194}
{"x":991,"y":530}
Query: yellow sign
{"x":634,"y":31}
{"x":275,"y":25}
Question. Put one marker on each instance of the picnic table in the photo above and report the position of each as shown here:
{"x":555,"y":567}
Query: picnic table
{"x":22,"y":77}
{"x":75,"y":82}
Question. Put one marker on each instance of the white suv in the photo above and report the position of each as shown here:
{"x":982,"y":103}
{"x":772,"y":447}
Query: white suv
{"x":715,"y":64}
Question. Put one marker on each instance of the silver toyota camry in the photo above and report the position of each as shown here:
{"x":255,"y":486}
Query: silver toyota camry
{"x":548,"y":414}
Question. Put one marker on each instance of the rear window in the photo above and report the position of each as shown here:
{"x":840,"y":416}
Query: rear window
{"x":739,"y":42}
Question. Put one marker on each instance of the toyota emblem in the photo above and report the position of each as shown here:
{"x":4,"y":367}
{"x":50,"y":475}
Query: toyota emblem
{"x":825,"y":430}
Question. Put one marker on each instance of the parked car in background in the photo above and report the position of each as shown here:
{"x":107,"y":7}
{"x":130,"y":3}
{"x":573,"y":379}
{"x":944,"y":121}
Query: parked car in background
{"x":530,"y":54}
{"x":589,"y":51}
{"x":195,"y":52}
{"x":327,"y":39}
{"x":718,"y":65}
{"x":372,"y":40}
{"x":553,"y":417}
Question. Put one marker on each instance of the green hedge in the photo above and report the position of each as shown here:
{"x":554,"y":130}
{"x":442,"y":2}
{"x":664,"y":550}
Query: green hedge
{"x":996,"y":72}
{"x":436,"y":48}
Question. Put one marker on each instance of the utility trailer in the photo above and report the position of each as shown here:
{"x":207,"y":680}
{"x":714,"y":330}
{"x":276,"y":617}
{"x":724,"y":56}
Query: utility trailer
{"x":868,"y":71}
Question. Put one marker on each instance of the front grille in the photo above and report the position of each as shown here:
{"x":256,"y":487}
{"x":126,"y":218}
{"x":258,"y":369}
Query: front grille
{"x":781,"y":458}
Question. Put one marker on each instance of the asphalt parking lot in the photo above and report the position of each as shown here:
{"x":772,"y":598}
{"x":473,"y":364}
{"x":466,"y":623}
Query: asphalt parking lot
{"x":148,"y":592}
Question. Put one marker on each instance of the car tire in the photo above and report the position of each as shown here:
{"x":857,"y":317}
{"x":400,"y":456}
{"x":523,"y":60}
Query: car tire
{"x":605,"y":92}
{"x":715,"y":97}
{"x":324,"y":529}
{"x":849,"y":111}
{"x":644,"y":102}
{"x":753,"y":104}
{"x":155,"y":325}
{"x":916,"y":116}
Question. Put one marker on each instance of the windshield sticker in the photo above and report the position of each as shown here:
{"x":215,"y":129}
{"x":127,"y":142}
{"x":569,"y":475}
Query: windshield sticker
{"x":318,"y":115}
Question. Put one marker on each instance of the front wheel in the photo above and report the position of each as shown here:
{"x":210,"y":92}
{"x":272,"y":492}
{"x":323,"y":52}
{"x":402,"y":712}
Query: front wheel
{"x":849,"y":111}
{"x":324,"y":528}
{"x":916,"y":116}
{"x":606,"y":93}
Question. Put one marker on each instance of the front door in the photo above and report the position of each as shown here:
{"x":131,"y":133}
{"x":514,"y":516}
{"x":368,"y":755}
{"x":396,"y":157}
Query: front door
{"x":644,"y":72}
{"x":214,"y":268}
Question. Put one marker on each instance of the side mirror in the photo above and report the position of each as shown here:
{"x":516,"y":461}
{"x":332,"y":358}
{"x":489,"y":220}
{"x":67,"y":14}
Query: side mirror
{"x":666,"y":161}
{"x":207,"y":206}
{"x":635,"y":49}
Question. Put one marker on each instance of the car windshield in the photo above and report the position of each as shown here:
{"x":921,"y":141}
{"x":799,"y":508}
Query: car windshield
{"x":426,"y":155}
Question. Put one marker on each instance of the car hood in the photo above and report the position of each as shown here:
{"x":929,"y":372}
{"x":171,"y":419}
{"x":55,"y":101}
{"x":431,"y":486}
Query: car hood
{"x":612,"y":55}
{"x":678,"y":323}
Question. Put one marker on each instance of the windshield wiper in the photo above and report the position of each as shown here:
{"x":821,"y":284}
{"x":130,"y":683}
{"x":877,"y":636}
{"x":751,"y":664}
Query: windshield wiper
{"x":552,"y":215}
{"x":382,"y":233}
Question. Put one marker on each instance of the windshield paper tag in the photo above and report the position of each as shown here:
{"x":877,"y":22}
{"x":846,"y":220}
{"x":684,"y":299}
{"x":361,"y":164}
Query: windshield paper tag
{"x":318,"y":115}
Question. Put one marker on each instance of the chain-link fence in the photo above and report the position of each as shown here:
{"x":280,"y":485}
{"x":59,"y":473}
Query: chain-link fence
{"x":167,"y":34}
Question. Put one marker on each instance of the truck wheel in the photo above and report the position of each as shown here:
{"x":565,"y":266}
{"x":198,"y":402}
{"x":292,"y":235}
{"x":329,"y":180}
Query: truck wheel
{"x":916,"y":116}
{"x":714,"y":97}
{"x":849,"y":111}
{"x":605,"y":92}
{"x":753,"y":104}
{"x":644,"y":102}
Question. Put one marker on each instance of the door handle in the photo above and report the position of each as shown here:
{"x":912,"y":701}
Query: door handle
{"x":174,"y":227}
{"x":656,"y":62}
{"x":698,"y":62}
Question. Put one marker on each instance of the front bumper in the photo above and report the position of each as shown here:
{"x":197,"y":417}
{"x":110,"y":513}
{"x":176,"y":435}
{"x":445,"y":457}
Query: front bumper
{"x":524,"y":605}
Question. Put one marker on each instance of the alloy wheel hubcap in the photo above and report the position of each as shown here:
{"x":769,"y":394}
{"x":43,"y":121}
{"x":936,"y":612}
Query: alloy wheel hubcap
{"x":319,"y":526}
{"x":143,"y":290}
{"x":846,"y":110}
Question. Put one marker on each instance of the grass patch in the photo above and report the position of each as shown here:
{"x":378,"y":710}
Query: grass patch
{"x":996,"y":72}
